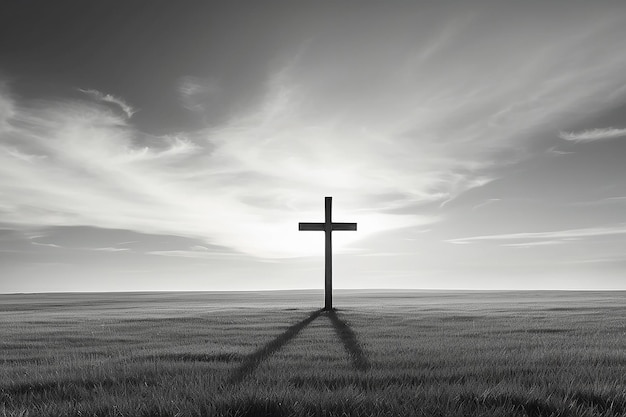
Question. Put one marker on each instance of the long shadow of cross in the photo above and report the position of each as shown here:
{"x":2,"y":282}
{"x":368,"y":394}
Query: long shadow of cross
{"x":343,"y":330}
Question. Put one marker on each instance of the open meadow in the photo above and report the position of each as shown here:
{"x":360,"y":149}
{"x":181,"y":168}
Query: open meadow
{"x":276,"y":354}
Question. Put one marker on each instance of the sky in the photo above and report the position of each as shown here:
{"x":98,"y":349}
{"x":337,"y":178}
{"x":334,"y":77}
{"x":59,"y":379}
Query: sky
{"x":153,"y":145}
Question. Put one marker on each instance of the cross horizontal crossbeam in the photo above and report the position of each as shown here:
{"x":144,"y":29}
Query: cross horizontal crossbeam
{"x":322,"y":226}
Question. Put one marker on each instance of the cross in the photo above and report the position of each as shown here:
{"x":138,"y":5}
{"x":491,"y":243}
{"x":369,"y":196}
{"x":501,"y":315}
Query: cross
{"x":327,"y":227}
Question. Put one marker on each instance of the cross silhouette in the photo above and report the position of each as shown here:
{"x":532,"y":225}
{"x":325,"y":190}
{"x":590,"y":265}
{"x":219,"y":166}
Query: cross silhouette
{"x":328,"y":226}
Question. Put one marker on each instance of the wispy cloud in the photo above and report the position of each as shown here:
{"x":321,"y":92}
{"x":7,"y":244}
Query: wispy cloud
{"x":535,"y":243}
{"x":50,"y":245}
{"x":592,"y":135}
{"x":358,"y":129}
{"x":543,"y":238}
{"x":193,"y":254}
{"x":601,"y":202}
{"x":486,"y":203}
{"x":163,"y":147}
{"x":96,"y":169}
{"x":555,"y":151}
{"x":109,"y":98}
{"x":109,"y":249}
{"x":16,"y":153}
{"x":196,"y":93}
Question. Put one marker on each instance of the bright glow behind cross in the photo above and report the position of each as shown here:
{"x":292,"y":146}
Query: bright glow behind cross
{"x":328,"y":226}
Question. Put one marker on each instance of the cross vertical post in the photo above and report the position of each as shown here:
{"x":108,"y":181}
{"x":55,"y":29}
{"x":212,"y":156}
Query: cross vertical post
{"x":328,"y":255}
{"x":327,"y":227}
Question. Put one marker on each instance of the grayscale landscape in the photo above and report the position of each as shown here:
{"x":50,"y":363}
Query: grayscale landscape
{"x":380,"y":353}
{"x":312,"y":208}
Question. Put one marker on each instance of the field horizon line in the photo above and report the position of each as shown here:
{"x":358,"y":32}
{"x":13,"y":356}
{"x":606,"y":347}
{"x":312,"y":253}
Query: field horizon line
{"x":321,"y":290}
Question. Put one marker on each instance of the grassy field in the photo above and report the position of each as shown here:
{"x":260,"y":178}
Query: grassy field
{"x":276,"y":354}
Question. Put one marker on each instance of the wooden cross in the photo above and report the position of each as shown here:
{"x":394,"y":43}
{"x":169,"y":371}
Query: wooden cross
{"x":328,"y":226}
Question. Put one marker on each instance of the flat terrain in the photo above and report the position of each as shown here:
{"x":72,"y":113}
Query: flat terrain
{"x":276,"y":354}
